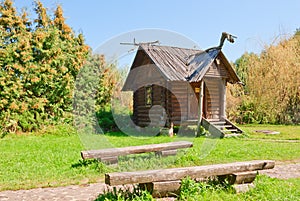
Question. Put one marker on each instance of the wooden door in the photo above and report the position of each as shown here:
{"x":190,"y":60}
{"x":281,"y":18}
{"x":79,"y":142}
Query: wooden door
{"x":212,"y":98}
{"x":194,"y":91}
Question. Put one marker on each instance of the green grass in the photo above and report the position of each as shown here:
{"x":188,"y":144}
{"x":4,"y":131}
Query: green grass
{"x":52,"y":157}
{"x":266,"y":189}
{"x":40,"y":161}
{"x":287,"y":132}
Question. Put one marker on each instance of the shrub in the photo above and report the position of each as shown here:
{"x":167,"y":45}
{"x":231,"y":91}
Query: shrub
{"x":39,"y":61}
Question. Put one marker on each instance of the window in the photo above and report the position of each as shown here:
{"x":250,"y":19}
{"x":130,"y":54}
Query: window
{"x":148,"y":95}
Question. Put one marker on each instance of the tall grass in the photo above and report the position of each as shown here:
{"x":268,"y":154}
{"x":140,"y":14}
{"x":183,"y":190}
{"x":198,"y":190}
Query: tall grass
{"x":271,"y":92}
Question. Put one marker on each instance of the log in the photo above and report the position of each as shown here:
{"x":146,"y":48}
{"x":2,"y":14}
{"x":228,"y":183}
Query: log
{"x":239,"y":177}
{"x":243,"y":188}
{"x":111,"y":152}
{"x":180,"y":173}
{"x":109,"y":160}
{"x":166,"y":153}
{"x":162,"y":189}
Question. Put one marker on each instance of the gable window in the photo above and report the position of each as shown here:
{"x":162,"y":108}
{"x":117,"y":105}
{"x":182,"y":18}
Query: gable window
{"x":148,"y":95}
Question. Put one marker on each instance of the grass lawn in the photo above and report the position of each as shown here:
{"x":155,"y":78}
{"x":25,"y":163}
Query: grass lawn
{"x":266,"y":189}
{"x":287,"y":132}
{"x":52,"y":158}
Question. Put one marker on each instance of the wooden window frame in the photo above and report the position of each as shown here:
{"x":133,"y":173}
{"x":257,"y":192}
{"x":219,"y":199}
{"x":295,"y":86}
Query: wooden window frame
{"x":148,"y":95}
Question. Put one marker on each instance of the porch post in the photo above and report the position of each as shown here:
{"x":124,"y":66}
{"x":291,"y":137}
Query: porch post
{"x":200,"y":107}
{"x":223,"y":99}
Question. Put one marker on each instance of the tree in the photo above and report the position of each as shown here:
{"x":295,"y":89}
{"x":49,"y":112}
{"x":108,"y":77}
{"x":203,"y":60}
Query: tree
{"x":272,"y":84}
{"x":39,"y":62}
{"x":95,"y":85}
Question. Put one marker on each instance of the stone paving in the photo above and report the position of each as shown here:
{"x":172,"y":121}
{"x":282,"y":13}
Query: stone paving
{"x":89,"y":192}
{"x":86,"y":192}
{"x":284,"y":171}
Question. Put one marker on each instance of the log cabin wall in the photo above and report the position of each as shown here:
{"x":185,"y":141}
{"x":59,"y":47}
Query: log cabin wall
{"x":217,"y":69}
{"x":177,"y":101}
{"x":212,"y":98}
{"x":215,"y":91}
{"x":193,"y":101}
{"x":150,"y":114}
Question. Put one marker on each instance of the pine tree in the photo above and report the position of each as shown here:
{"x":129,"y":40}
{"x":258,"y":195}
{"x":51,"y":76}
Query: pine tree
{"x":59,"y":22}
{"x":38,"y":65}
{"x":43,"y":19}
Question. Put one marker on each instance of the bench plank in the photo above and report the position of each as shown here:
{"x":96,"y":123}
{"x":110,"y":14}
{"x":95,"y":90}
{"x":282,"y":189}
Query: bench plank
{"x":122,"y":151}
{"x":180,"y":173}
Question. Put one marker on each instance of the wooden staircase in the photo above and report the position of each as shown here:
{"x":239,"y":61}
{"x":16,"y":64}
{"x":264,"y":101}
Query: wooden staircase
{"x":221,"y":128}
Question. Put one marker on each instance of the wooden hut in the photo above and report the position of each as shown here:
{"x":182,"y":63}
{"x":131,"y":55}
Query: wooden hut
{"x":167,"y":87}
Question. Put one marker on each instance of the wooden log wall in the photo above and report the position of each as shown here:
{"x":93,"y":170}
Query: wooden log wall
{"x":145,"y":115}
{"x":215,"y":90}
{"x":217,"y":70}
{"x":178,"y":102}
{"x":213,"y":93}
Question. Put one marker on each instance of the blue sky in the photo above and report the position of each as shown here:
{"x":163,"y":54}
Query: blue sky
{"x":255,"y":23}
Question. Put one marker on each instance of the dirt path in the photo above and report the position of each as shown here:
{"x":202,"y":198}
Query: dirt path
{"x":282,"y":170}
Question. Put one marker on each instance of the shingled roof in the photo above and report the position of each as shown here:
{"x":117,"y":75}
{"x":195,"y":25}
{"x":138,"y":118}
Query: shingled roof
{"x":181,"y":64}
{"x":171,"y":61}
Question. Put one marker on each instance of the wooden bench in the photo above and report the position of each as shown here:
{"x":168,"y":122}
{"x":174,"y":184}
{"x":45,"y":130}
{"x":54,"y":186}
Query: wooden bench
{"x":164,"y":182}
{"x":111,"y":155}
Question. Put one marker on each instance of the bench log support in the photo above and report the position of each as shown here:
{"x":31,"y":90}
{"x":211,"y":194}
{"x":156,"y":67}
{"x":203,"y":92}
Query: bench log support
{"x":166,"y":153}
{"x":162,"y":189}
{"x":109,"y":160}
{"x":239,"y":177}
{"x":243,"y":188}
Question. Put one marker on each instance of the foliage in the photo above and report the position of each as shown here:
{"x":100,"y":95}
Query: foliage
{"x":125,"y":194}
{"x":271,"y":92}
{"x":39,"y":61}
{"x":106,"y":119}
{"x":192,"y":190}
{"x":95,"y":86}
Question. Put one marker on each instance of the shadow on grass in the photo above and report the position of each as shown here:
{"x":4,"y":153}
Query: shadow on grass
{"x":92,"y":164}
{"x":116,"y":134}
{"x":84,"y":163}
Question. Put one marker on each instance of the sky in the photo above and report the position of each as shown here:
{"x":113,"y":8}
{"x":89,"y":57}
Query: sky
{"x":256,"y":23}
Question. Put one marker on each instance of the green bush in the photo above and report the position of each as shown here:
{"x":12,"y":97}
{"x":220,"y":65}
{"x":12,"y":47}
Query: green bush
{"x":125,"y":195}
{"x":39,"y":60}
{"x":106,"y":119}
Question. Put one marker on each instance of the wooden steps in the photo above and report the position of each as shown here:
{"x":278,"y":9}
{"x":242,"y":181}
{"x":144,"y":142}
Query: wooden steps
{"x":221,"y":128}
{"x":217,"y":127}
